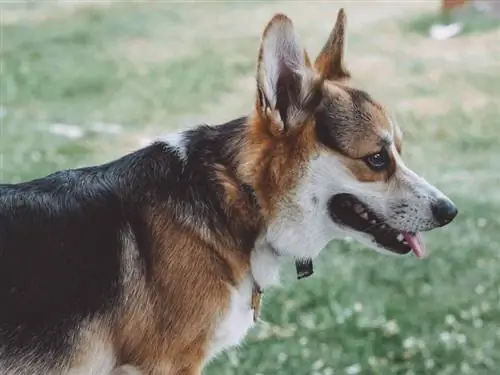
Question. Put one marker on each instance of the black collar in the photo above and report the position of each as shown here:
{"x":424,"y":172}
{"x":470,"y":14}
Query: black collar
{"x":304,"y":268}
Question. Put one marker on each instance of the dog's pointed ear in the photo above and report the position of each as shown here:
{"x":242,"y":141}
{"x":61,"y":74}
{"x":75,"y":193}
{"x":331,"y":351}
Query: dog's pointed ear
{"x":330,"y":61}
{"x":289,"y":90}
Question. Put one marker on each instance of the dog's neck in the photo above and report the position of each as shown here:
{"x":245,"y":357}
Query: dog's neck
{"x":265,"y":265}
{"x":230,"y":141}
{"x":246,"y":209}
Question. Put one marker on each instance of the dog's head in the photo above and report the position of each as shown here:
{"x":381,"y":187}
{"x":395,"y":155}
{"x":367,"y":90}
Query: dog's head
{"x":325,"y":156}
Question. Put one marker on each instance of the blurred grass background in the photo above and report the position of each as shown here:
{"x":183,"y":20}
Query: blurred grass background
{"x":82,"y":83}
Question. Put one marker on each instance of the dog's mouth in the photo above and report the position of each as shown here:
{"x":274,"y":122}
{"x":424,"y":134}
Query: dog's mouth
{"x":346,"y":210}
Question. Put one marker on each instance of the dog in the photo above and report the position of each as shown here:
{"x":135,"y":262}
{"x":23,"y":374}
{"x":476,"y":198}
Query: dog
{"x":155,"y":262}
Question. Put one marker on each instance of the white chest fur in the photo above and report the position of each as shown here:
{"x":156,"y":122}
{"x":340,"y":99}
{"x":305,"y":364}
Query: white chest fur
{"x":237,"y":320}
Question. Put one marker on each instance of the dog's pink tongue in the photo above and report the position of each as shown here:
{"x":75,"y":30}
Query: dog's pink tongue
{"x":416,"y":242}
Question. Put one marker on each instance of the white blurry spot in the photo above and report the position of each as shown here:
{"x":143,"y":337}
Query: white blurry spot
{"x":480,"y":289}
{"x":485,"y":306}
{"x":328,"y":371}
{"x":479,"y":355}
{"x":421,"y":344}
{"x":372,"y":361}
{"x":233,"y":358}
{"x":443,"y":32}
{"x":347,"y":312}
{"x":266,"y":330}
{"x":353,"y":370}
{"x":429,"y":363}
{"x":474,"y":311}
{"x":477,"y":323}
{"x":282,"y":357}
{"x":107,"y":128}
{"x":481,"y":222}
{"x":318,"y":365}
{"x":409,"y":342}
{"x":450,"y":319}
{"x":426,"y":289}
{"x":303,"y":341}
{"x":358,"y":307}
{"x":465,"y":368}
{"x":391,"y":328}
{"x":308,"y":321}
{"x":461,"y":338}
{"x":464,"y":314}
{"x":65,"y":130}
{"x":445,"y":337}
{"x":36,"y":156}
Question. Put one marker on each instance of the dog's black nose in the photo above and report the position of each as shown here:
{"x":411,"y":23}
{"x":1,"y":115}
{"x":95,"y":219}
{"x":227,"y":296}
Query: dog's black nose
{"x":444,"y":211}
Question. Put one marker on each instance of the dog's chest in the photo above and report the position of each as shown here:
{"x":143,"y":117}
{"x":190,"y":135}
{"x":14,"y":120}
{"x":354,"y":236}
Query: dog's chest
{"x":237,"y":320}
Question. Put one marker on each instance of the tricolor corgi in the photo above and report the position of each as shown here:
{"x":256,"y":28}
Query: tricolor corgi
{"x":154,"y":263}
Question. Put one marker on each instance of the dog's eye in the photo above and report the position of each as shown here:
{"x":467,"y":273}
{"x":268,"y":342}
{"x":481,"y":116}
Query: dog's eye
{"x":378,"y":161}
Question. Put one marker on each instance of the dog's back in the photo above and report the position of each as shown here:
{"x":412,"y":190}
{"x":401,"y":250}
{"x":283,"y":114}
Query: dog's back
{"x":60,"y":265}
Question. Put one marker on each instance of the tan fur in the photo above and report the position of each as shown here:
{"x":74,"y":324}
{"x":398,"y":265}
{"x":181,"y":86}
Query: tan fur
{"x":273,"y":164}
{"x":330,"y":61}
{"x":166,"y":322}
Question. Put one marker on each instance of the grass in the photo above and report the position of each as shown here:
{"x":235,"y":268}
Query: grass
{"x":361,"y":313}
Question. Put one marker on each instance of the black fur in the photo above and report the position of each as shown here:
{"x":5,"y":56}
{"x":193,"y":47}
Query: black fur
{"x":60,"y":236}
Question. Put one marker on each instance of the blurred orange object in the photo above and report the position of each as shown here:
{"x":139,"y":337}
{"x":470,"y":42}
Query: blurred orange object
{"x":451,"y":4}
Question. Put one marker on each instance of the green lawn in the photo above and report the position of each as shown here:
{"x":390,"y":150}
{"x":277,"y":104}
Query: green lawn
{"x":153,"y":68}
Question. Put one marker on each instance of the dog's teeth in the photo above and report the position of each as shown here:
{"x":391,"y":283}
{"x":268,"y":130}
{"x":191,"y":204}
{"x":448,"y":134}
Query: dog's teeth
{"x":358,"y":209}
{"x":405,"y":243}
{"x":364,"y":216}
{"x":400,"y":237}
